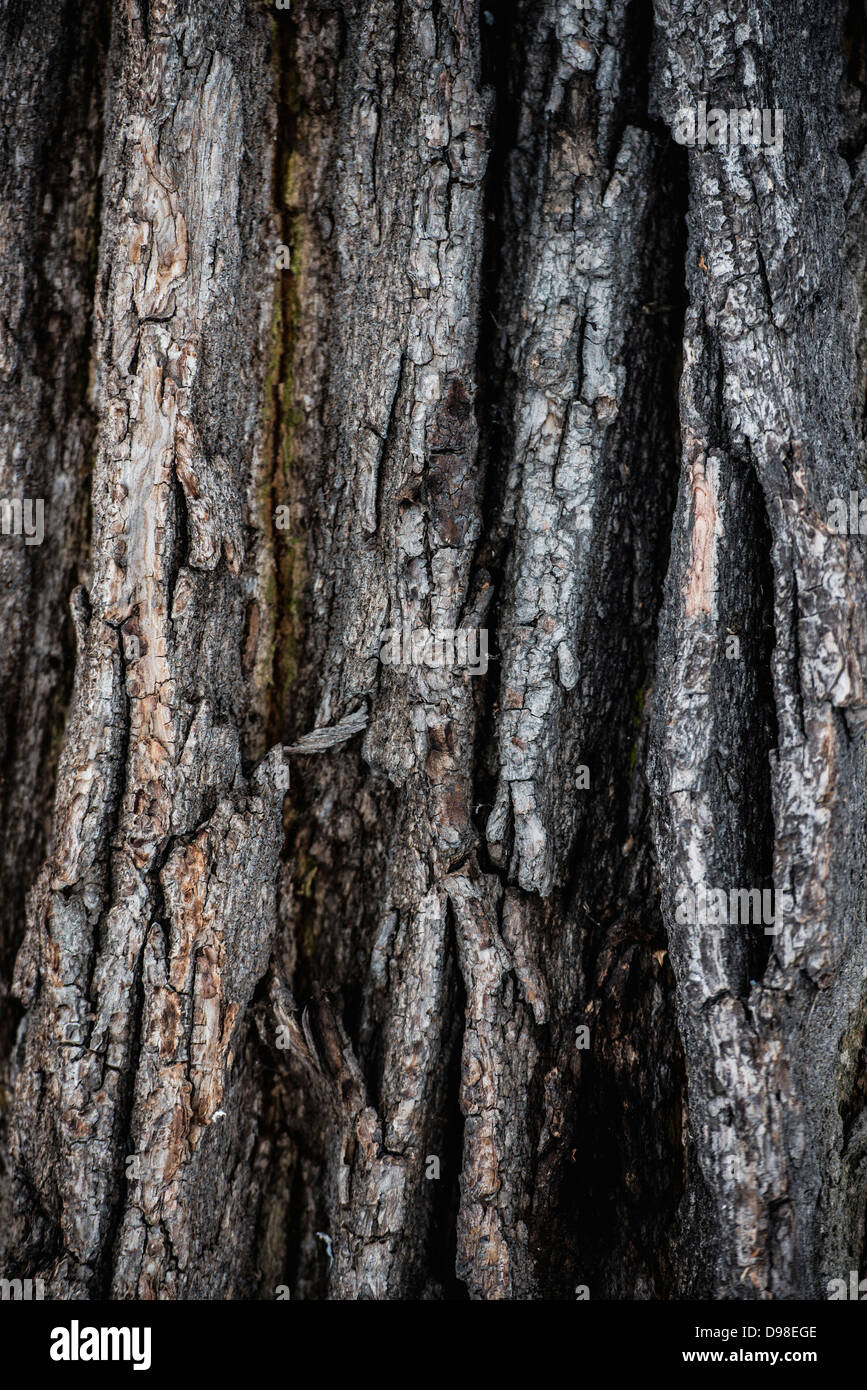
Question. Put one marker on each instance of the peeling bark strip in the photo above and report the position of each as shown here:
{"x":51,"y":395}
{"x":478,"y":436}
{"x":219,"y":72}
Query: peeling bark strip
{"x":408,"y":143}
{"x":580,"y":275}
{"x":426,"y":1022}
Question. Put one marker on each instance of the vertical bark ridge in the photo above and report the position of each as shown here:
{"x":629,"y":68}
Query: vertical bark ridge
{"x":50,"y":97}
{"x":136,"y":1111}
{"x":766,"y":277}
{"x":590,"y":297}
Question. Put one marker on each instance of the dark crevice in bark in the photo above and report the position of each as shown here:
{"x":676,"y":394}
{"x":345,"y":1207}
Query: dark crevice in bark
{"x":622,"y":1180}
{"x":286,"y":488}
{"x":503,"y":61}
{"x":746,"y":689}
{"x":296,"y":1120}
{"x":444,"y":1214}
{"x":299,"y":1274}
{"x":103,"y":1275}
{"x":634,"y":107}
{"x":854,"y":40}
{"x":183,"y":536}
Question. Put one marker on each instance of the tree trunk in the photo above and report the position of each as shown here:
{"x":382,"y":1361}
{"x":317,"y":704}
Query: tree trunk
{"x":353,"y":971}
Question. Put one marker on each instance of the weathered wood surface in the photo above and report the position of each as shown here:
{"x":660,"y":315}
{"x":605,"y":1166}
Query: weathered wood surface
{"x":758,"y":763}
{"x":528,"y":357}
{"x":51,"y":82}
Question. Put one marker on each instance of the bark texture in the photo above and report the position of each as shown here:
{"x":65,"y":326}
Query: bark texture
{"x":412,"y":319}
{"x":758,"y":765}
{"x":50,"y":98}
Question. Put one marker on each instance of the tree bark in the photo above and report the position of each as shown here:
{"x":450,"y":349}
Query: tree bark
{"x":50,"y":95}
{"x":423,"y":320}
